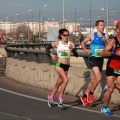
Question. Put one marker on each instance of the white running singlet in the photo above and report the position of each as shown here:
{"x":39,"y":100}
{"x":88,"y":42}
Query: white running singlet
{"x":63,"y":51}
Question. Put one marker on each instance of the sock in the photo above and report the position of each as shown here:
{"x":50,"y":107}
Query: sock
{"x":85,"y":95}
{"x":91,"y":93}
{"x":60,"y":96}
{"x":51,"y":96}
{"x":105,"y":106}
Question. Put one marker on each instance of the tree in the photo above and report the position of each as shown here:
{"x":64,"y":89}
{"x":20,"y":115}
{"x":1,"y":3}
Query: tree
{"x":23,"y":30}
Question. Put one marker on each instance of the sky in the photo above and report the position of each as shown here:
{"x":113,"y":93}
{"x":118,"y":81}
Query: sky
{"x":78,"y":10}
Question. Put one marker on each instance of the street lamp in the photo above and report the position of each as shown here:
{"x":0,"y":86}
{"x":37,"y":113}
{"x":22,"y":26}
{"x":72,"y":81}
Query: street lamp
{"x":6,"y":19}
{"x":63,"y":13}
{"x":52,"y":19}
{"x":107,"y":10}
{"x":49,"y":21}
{"x":81,"y":22}
{"x":33,"y":27}
{"x":28,"y":22}
{"x":16,"y":25}
{"x":44,"y":21}
{"x":39,"y":25}
{"x":6,"y":25}
{"x":107,"y":16}
{"x":98,"y":17}
{"x":44,"y":11}
{"x":16,"y":18}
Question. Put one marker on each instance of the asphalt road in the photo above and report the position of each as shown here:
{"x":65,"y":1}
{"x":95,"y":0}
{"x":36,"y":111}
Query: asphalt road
{"x":21,"y":102}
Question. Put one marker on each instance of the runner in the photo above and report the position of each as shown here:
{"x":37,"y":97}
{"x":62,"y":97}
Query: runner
{"x":95,"y":60}
{"x":64,"y":47}
{"x":112,"y":49}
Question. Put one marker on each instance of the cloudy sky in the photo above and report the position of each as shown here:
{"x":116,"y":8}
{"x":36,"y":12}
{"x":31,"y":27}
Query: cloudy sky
{"x":9,"y":9}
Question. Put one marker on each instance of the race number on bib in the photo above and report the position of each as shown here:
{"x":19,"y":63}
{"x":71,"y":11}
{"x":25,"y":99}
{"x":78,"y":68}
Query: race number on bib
{"x":98,"y":52}
{"x":64,"y":54}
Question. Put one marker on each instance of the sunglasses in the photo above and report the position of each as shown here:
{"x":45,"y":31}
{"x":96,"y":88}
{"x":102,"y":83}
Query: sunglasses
{"x":65,"y":35}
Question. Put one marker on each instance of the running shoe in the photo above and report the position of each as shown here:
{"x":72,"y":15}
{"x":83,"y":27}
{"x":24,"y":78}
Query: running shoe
{"x":60,"y":102}
{"x":105,"y":88}
{"x":84,"y":100}
{"x":50,"y":101}
{"x":90,"y":98}
{"x":106,"y":110}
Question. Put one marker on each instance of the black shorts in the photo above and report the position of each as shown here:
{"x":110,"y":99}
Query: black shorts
{"x":64,"y":66}
{"x":110,"y":71}
{"x":96,"y":62}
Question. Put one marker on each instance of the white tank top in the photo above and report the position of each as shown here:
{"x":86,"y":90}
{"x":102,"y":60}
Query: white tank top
{"x":63,"y":51}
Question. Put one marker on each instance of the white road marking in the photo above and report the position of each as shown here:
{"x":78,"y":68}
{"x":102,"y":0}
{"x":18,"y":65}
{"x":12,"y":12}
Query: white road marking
{"x":40,"y":99}
{"x":14,"y":116}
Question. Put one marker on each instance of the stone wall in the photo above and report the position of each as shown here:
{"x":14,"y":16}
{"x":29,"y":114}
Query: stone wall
{"x":44,"y":76}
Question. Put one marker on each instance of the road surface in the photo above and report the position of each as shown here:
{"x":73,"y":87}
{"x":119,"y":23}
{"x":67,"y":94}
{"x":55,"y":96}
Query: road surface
{"x":21,"y":102}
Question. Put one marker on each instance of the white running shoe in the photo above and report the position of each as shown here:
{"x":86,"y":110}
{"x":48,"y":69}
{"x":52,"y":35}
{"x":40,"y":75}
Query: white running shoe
{"x":50,"y":102}
{"x":60,"y":102}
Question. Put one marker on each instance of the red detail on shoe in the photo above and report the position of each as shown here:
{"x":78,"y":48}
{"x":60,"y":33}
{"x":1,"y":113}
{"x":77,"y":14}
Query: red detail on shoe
{"x":90,"y":98}
{"x":84,"y":100}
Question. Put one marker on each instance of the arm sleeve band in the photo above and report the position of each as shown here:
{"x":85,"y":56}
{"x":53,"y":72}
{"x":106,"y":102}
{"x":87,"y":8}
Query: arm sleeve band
{"x":113,"y":52}
{"x":47,"y":49}
{"x":75,"y":53}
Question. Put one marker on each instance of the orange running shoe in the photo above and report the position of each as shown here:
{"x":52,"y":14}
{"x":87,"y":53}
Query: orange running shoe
{"x":84,"y":100}
{"x":90,"y":98}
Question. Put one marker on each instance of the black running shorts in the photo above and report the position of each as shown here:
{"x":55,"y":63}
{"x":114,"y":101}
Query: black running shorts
{"x":96,"y":61}
{"x":110,"y":71}
{"x":64,"y":66}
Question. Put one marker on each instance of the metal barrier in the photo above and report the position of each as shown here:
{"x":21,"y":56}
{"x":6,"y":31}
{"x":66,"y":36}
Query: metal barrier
{"x":30,"y":53}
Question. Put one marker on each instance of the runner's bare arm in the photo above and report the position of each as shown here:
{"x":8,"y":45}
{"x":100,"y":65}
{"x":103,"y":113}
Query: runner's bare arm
{"x":53,"y":56}
{"x":48,"y":47}
{"x":108,"y":48}
{"x":88,"y":38}
{"x":72,"y":45}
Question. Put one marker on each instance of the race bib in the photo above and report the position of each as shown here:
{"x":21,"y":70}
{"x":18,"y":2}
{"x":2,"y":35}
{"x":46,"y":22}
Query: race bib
{"x":64,"y":54}
{"x":116,"y":71}
{"x":98,"y":52}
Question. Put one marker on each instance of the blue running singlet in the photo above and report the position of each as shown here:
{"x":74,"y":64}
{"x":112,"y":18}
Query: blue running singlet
{"x":97,"y":45}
